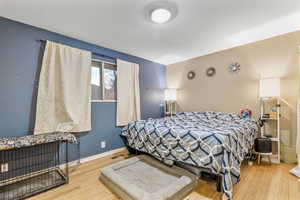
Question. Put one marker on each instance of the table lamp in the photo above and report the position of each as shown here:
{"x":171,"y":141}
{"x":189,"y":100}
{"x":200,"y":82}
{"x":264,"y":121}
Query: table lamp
{"x":170,"y":98}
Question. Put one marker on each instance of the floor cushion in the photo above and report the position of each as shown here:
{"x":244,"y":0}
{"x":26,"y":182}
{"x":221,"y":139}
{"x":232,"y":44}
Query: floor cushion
{"x":144,"y":178}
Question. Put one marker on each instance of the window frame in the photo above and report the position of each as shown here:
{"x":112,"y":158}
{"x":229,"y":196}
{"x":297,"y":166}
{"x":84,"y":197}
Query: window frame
{"x":102,"y":85}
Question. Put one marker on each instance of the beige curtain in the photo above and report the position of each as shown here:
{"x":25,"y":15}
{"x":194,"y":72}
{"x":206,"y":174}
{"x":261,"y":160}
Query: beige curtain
{"x":64,"y":93}
{"x":296,"y":170}
{"x":128,"y":100}
{"x":298,"y":120}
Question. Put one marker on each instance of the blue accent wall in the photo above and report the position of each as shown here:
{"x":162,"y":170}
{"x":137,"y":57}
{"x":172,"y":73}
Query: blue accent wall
{"x":20,"y":60}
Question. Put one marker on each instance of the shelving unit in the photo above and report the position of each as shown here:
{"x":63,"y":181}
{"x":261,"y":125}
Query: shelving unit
{"x":265,"y":104}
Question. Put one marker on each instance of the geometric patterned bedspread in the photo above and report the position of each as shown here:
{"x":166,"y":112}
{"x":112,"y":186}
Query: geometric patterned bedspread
{"x":214,"y":140}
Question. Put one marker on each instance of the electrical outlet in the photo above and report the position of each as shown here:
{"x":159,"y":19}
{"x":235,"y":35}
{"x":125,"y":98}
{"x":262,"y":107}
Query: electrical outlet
{"x":103,"y":144}
{"x":4,"y":167}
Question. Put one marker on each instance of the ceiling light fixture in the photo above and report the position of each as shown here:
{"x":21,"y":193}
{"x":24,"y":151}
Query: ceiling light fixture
{"x":160,"y":15}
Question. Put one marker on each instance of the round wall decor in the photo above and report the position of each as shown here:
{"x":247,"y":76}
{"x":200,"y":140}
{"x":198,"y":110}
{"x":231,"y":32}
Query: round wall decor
{"x":210,"y":72}
{"x":191,"y":75}
{"x":234,"y":67}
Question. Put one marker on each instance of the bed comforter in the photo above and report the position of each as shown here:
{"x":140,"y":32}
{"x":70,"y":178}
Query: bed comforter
{"x":214,"y":140}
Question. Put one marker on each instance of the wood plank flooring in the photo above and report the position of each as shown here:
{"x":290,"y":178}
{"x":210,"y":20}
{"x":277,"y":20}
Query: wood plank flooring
{"x":259,"y":182}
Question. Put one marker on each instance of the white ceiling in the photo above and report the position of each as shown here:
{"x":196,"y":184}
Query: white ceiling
{"x":200,"y":27}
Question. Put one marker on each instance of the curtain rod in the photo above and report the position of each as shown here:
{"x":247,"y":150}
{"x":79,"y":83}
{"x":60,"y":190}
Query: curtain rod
{"x":101,"y":55}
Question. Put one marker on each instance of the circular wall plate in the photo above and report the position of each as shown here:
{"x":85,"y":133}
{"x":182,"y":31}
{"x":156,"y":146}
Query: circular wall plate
{"x":210,"y":72}
{"x":191,"y":75}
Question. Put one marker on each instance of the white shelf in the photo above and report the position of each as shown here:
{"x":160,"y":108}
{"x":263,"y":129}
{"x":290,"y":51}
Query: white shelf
{"x":264,"y":154}
{"x":274,"y":139}
{"x":275,"y":157}
{"x":269,"y":118}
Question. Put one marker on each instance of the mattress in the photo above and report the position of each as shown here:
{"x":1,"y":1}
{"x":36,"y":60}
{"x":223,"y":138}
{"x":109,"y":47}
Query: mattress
{"x":214,"y":140}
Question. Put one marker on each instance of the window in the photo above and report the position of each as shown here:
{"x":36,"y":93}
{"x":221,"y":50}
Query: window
{"x":104,"y":81}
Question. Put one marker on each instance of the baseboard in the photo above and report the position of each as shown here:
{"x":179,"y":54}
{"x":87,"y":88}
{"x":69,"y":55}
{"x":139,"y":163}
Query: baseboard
{"x":94,"y":157}
{"x":101,"y":155}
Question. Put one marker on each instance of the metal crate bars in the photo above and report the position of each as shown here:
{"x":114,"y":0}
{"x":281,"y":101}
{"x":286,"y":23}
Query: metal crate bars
{"x":29,"y":170}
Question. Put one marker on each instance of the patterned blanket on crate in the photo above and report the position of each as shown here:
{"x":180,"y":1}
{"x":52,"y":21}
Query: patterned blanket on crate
{"x":31,"y":140}
{"x":214,"y":140}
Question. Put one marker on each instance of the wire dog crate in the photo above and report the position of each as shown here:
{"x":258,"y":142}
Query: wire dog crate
{"x":30,"y":170}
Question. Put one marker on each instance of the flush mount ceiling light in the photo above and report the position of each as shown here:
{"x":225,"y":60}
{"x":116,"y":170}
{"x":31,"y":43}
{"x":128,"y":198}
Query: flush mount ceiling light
{"x":161,"y":15}
{"x":161,"y":12}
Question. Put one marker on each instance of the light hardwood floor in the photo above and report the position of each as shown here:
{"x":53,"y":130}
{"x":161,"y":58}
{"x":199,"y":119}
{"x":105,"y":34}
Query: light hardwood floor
{"x":259,"y":182}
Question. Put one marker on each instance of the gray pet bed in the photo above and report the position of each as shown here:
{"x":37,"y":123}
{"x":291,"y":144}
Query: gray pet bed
{"x":144,"y":178}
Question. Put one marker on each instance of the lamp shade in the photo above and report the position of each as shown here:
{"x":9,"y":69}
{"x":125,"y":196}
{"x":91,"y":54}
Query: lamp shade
{"x":269,"y":87}
{"x":170,"y":94}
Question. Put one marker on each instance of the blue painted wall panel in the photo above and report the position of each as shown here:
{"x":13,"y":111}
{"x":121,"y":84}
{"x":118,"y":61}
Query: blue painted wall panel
{"x":20,"y":60}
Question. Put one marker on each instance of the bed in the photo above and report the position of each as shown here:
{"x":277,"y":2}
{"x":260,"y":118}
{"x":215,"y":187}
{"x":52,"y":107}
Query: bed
{"x":214,"y":140}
